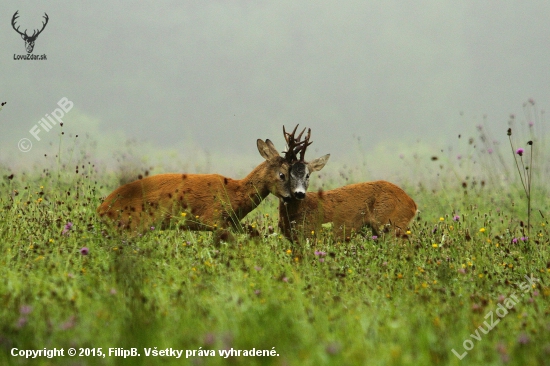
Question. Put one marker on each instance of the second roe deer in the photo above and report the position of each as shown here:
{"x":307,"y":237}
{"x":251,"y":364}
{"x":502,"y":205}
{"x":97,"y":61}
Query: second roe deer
{"x":208,"y":201}
{"x":348,"y":208}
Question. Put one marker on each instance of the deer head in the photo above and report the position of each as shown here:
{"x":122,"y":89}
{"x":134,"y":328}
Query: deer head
{"x":299,"y":168}
{"x":29,"y":40}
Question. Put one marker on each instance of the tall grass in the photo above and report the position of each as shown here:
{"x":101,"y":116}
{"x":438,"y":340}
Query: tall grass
{"x":381,"y":301}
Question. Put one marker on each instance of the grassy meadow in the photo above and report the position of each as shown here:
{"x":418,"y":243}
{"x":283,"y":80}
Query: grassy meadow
{"x":469,"y":285}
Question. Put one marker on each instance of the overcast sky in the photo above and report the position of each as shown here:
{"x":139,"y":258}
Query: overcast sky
{"x":217,"y":75}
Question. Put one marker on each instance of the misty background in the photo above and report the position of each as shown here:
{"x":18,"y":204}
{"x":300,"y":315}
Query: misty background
{"x":198,"y":82}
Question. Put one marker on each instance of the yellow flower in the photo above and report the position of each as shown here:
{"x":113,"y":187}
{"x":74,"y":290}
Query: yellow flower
{"x":296,"y":259}
{"x":441,"y":219}
{"x":289,"y":251}
{"x":51,"y":240}
{"x":350,"y":271}
{"x":408,"y":232}
{"x":434,"y":245}
{"x":424,"y":285}
{"x":183,"y":214}
{"x":399,"y":275}
{"x":312,"y":232}
{"x":482,"y":230}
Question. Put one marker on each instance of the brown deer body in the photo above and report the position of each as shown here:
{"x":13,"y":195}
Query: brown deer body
{"x":349,"y":208}
{"x":208,"y":201}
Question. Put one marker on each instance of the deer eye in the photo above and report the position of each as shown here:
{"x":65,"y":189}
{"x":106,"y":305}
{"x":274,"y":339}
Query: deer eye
{"x":282,"y":176}
{"x":307,"y":176}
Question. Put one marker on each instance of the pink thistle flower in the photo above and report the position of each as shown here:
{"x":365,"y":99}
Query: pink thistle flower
{"x":520,"y":151}
{"x":84,"y":251}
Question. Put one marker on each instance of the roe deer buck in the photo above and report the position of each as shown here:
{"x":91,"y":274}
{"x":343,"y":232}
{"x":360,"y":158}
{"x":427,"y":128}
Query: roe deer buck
{"x":211,"y":200}
{"x":349,"y":208}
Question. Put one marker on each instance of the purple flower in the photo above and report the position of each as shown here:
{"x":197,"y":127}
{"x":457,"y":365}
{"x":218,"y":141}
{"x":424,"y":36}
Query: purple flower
{"x":515,"y":240}
{"x":456,"y":218}
{"x":68,"y":226}
{"x":285,"y":279}
{"x":84,"y":251}
{"x":523,"y":338}
{"x":152,"y":228}
{"x":524,"y":238}
{"x":69,"y":323}
{"x":21,"y":322}
{"x":520,"y":151}
{"x":459,"y":156}
{"x":257,"y":292}
{"x":531,"y":124}
{"x":374,"y":237}
{"x":25,"y":309}
{"x":490,"y":151}
{"x":333,"y":348}
{"x":320,"y":253}
{"x":321,"y":260}
{"x":209,"y":339}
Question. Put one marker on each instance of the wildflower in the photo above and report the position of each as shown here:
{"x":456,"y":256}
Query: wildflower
{"x":456,"y":218}
{"x":515,"y":240}
{"x":374,"y":237}
{"x":321,"y":260}
{"x":284,"y":279}
{"x":320,"y":253}
{"x":69,"y":323}
{"x":152,"y":228}
{"x":523,"y":338}
{"x":288,"y":251}
{"x":399,"y":276}
{"x":25,"y":309}
{"x":408,"y":232}
{"x":490,"y":151}
{"x":482,"y":230}
{"x":333,"y":348}
{"x":21,"y":322}
{"x":257,"y":292}
{"x":531,"y":124}
{"x":84,"y":251}
{"x":524,"y":238}
{"x":434,"y":245}
{"x":183,"y":214}
{"x":441,"y":219}
{"x":520,"y":151}
{"x":68,"y":226}
{"x":459,"y":156}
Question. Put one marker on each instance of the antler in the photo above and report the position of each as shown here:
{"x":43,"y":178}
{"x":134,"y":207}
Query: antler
{"x":13,"y":19}
{"x":305,"y":145}
{"x":294,"y":144}
{"x":36,"y":31}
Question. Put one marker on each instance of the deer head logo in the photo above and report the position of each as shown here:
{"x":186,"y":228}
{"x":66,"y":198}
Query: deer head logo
{"x":29,"y":40}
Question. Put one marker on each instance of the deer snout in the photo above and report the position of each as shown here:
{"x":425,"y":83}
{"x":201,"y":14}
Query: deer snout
{"x":300,"y":195}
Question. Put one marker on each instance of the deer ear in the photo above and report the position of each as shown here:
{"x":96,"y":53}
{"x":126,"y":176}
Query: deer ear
{"x":318,"y":164}
{"x":267,"y":149}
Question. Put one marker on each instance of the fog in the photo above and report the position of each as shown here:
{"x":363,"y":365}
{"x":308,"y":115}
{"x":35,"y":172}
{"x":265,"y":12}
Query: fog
{"x":208,"y":78}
